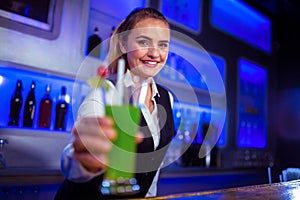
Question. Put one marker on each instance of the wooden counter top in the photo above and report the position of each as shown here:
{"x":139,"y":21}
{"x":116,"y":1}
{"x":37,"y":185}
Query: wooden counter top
{"x":276,"y":191}
{"x":30,"y":176}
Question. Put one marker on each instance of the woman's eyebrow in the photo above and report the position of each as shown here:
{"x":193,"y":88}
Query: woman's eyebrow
{"x":164,"y":41}
{"x":143,"y":37}
{"x":148,"y":38}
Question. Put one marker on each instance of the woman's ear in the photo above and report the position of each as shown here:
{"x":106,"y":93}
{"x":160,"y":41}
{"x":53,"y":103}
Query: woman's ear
{"x":122,"y":46}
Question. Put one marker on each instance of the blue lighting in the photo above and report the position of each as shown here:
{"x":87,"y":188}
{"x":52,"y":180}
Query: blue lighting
{"x":105,"y":183}
{"x":252,"y":105}
{"x":8,"y":79}
{"x":135,"y":187}
{"x":243,"y":22}
{"x":189,"y":118}
{"x":184,"y":13}
{"x":1,"y":80}
{"x":185,"y":71}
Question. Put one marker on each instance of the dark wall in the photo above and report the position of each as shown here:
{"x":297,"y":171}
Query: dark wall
{"x":289,"y":44}
{"x":283,"y":69}
{"x":287,"y":109}
{"x":288,"y":113}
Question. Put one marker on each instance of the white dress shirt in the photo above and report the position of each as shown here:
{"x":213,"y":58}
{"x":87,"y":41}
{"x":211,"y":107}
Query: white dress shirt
{"x":93,"y":106}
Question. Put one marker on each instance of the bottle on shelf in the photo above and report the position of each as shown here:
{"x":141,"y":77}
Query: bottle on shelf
{"x":94,"y":42}
{"x":45,"y":109}
{"x":29,"y":109}
{"x":16,"y":105}
{"x":61,"y":110}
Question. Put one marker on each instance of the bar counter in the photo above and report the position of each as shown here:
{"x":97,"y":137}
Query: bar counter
{"x":275,"y":191}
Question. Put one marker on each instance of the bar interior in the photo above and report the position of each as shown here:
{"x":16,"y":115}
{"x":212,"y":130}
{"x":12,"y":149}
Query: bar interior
{"x":232,"y":66}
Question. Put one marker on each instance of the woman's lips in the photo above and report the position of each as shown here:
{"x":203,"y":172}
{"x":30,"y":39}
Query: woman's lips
{"x":150,"y":64}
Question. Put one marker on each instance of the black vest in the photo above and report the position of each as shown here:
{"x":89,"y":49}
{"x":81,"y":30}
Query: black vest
{"x":148,"y":160}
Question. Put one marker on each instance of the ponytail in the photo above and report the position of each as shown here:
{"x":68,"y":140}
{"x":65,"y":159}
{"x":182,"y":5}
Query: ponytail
{"x":114,"y":52}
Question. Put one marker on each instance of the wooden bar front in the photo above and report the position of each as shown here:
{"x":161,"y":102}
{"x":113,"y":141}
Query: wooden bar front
{"x":276,"y":191}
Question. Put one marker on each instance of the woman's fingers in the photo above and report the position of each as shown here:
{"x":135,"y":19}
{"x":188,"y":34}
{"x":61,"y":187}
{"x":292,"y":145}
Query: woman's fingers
{"x":91,"y":143}
{"x":93,"y":134}
{"x":92,"y":163}
{"x":96,"y":126}
{"x":93,"y":140}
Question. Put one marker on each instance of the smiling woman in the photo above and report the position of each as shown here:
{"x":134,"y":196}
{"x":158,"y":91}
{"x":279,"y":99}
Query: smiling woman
{"x":142,"y":41}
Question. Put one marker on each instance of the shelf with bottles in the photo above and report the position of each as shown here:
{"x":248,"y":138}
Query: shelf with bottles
{"x":190,"y":120}
{"x":252,"y":105}
{"x":195,"y":125}
{"x":45,"y":88}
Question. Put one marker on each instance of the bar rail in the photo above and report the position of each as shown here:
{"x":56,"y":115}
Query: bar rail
{"x":275,"y":191}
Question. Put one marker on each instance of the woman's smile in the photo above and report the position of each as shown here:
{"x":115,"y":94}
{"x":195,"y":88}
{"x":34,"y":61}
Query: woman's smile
{"x":150,"y":63}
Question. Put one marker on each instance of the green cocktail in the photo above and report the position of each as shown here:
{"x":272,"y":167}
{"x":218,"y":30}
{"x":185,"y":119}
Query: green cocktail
{"x":119,"y":176}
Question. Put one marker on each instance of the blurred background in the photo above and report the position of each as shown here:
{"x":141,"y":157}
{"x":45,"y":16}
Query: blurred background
{"x":233,"y":67}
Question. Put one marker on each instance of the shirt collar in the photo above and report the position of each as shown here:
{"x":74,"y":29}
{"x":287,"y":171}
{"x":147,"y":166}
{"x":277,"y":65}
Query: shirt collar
{"x":128,"y":82}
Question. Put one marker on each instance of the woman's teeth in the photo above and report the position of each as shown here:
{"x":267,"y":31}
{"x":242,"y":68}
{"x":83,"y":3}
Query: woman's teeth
{"x":151,"y":62}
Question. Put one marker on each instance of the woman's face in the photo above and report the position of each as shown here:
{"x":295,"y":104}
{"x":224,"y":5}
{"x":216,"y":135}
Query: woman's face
{"x":147,"y":47}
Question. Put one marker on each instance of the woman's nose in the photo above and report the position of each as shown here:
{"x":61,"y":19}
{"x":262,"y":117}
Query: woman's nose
{"x":153,"y":52}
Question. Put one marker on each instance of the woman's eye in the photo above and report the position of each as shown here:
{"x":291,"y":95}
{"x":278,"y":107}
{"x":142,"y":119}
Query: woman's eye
{"x":164,"y":45}
{"x":144,"y":43}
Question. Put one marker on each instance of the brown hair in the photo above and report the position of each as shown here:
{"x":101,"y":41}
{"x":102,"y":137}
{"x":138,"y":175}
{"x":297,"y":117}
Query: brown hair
{"x":114,"y":53}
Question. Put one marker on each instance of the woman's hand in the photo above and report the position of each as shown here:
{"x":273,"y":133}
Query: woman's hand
{"x":92,"y":141}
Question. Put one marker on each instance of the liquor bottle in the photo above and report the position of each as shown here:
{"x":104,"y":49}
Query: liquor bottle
{"x":16,"y":105}
{"x":94,"y":42}
{"x":45,"y":109}
{"x":29,"y":109}
{"x":61,"y":110}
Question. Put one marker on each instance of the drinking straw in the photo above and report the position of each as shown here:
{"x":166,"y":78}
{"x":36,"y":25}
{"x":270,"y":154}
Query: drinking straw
{"x":143,"y":93}
{"x":105,"y":64}
{"x":120,"y":83}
